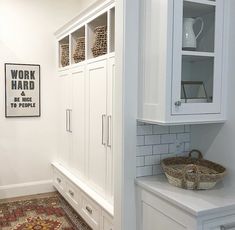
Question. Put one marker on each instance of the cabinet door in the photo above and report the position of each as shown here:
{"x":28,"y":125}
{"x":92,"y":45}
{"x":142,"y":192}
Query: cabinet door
{"x":221,"y":223}
{"x":64,"y":118}
{"x":109,"y":173}
{"x":155,"y":220}
{"x":77,"y":160}
{"x":97,"y":120}
{"x":197,"y":57}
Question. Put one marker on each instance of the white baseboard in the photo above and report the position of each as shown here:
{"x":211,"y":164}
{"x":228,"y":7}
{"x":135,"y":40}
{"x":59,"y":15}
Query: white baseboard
{"x":25,"y":189}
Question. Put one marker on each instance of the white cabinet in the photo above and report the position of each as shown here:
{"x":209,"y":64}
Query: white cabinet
{"x":161,"y":206}
{"x":179,"y":83}
{"x":65,"y":110}
{"x":72,"y":119}
{"x":86,"y":68}
{"x":99,"y":122}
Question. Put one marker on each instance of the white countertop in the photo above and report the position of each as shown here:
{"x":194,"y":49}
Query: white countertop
{"x":195,"y":202}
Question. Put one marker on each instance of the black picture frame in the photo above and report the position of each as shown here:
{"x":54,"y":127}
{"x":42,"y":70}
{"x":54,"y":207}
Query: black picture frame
{"x":36,"y":96}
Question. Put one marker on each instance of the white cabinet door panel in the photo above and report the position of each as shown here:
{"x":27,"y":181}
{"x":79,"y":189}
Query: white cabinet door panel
{"x":77,"y":160}
{"x":96,"y":114}
{"x":64,"y":107}
{"x":155,"y":220}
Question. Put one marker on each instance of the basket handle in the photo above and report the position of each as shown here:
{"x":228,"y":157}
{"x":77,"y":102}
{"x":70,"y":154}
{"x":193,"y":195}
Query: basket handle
{"x":199,"y":157}
{"x":197,"y":175}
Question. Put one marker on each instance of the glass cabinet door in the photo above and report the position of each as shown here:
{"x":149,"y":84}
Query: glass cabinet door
{"x":197,"y":56}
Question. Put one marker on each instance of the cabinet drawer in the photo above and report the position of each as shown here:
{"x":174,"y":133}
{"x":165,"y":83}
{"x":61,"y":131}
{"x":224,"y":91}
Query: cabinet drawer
{"x":73,"y":194}
{"x":221,"y":223}
{"x":91,"y":212}
{"x":59,"y":181}
{"x":107,"y":222}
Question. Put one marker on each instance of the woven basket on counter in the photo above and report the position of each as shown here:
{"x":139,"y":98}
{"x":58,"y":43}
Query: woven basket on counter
{"x":100,"y":41}
{"x":192,"y":173}
{"x":79,"y":53}
{"x":64,"y":55}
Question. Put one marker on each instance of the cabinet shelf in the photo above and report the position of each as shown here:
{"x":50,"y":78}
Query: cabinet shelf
{"x":195,"y":55}
{"x":204,"y":2}
{"x":97,"y":31}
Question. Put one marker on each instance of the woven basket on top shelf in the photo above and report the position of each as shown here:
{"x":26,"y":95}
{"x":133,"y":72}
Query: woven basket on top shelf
{"x":192,"y":173}
{"x":79,"y":53}
{"x":64,"y":56}
{"x":100,"y":41}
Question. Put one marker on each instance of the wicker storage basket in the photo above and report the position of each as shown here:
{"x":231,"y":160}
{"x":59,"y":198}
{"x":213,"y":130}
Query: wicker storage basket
{"x":100,"y":41}
{"x":192,"y":173}
{"x":79,"y":53}
{"x":64,"y":55}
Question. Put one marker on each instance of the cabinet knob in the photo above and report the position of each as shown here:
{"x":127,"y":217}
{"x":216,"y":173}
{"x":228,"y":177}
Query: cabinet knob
{"x":71,"y":193}
{"x":178,"y":103}
{"x":89,"y":209}
{"x":59,"y":180}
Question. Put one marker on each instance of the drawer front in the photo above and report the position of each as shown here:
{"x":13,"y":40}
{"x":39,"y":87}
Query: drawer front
{"x":107,"y":223}
{"x":73,"y":194}
{"x":222,"y":223}
{"x":91,"y":212}
{"x":59,"y":181}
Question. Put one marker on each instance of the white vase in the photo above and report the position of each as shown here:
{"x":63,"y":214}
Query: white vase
{"x":189,"y":37}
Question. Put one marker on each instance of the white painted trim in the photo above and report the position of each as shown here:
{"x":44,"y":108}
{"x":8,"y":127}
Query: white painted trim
{"x":125,"y":113}
{"x":95,"y":8}
{"x":25,"y":189}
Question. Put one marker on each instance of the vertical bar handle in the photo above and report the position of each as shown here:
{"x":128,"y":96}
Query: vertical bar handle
{"x":103,"y":117}
{"x":70,"y":120}
{"x":109,"y":139}
{"x":66,"y":121}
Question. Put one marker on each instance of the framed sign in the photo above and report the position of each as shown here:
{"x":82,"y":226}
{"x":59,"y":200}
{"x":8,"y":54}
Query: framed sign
{"x":22,"y":90}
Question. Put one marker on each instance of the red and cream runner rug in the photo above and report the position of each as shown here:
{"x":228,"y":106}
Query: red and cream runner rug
{"x":43,"y":212}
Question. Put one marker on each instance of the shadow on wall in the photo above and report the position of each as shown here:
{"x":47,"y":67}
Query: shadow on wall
{"x":217,"y":143}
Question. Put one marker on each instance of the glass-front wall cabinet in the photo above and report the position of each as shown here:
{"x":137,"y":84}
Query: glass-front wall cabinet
{"x":197,"y":56}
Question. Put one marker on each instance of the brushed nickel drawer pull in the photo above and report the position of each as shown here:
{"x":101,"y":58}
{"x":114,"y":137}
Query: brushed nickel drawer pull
{"x":89,"y":209}
{"x":71,"y":193}
{"x":59,"y":180}
{"x":227,"y":227}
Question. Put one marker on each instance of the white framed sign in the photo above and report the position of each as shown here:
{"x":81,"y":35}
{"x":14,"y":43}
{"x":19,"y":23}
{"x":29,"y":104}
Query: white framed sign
{"x":22,"y":90}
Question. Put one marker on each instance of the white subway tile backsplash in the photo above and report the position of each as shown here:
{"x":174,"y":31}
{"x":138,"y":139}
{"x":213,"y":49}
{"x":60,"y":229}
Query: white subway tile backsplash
{"x":183,"y":137}
{"x":152,"y":160}
{"x":177,"y":129}
{"x":139,"y":140}
{"x":144,"y":171}
{"x":157,"y":169}
{"x":152,"y":139}
{"x":160,"y":149}
{"x":155,"y":143}
{"x":168,"y":138}
{"x":160,"y":129}
{"x":187,"y":128}
{"x":144,"y":130}
{"x":144,"y":150}
{"x":139,"y":161}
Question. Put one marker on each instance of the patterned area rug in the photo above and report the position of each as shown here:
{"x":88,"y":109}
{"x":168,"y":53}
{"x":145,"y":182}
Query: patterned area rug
{"x":51,"y":212}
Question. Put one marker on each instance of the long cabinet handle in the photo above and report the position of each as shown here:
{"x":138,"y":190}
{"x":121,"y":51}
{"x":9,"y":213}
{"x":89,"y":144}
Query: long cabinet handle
{"x":103,"y":141}
{"x":109,"y":139}
{"x":70,"y":120}
{"x":67,"y":120}
{"x":227,"y":227}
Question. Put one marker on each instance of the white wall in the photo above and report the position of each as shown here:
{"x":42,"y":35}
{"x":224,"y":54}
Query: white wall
{"x":28,"y":145}
{"x":218,"y":141}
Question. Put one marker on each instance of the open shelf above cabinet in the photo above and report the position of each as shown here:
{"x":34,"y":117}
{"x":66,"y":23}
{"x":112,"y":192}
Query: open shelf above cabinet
{"x":97,"y":36}
{"x":88,"y":39}
{"x":64,"y":59}
{"x":78,"y":45}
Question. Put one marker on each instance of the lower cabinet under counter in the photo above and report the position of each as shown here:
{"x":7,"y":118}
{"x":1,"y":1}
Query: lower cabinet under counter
{"x":160,"y":206}
{"x":96,"y":215}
